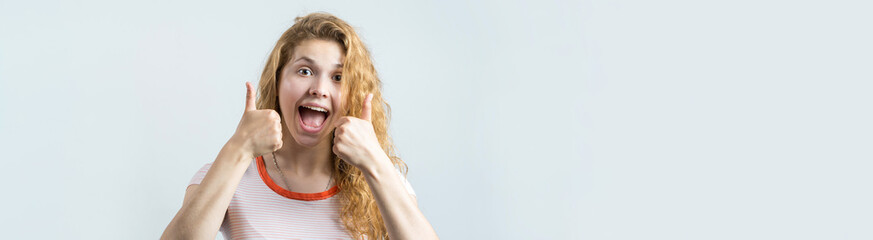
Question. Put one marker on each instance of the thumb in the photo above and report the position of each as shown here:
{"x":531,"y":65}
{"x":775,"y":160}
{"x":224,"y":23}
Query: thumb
{"x":368,"y":107}
{"x":250,"y":97}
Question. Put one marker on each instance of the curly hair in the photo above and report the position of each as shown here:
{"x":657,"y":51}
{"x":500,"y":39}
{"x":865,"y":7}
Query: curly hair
{"x":359,"y":212}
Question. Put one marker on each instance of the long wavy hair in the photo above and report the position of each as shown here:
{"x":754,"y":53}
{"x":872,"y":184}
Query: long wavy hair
{"x":359,"y":213}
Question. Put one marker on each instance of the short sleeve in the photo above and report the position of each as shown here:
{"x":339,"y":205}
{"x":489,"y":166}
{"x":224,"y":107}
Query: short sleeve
{"x":406,"y":183}
{"x":200,"y":174}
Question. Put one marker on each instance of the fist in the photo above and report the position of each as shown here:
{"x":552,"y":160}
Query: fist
{"x":259,"y":131}
{"x":355,"y":140}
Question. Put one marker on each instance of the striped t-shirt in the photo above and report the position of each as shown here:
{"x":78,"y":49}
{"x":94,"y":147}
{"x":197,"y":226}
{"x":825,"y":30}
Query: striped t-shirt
{"x":262,"y":209}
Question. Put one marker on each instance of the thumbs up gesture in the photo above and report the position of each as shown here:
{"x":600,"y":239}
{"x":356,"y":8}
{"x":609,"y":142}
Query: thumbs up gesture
{"x":259,"y":131}
{"x":355,"y":140}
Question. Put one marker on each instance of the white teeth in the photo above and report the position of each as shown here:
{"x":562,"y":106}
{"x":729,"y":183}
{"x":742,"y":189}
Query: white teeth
{"x":316,"y":108}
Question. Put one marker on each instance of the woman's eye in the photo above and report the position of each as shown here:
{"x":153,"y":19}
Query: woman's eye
{"x":305,"y":72}
{"x":337,"y":77}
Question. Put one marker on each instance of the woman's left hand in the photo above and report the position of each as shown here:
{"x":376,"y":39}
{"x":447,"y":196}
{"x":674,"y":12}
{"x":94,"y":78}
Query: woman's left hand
{"x":355,"y":140}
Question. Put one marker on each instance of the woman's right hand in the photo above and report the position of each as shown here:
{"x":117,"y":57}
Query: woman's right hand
{"x":259,"y":131}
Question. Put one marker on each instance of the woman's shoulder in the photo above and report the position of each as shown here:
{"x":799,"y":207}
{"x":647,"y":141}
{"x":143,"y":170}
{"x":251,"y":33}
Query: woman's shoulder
{"x":201,"y":173}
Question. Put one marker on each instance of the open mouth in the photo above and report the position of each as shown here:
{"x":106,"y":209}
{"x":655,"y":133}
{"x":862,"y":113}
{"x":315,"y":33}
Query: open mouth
{"x":312,"y":118}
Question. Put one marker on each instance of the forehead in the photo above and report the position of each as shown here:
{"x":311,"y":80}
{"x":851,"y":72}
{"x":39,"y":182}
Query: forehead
{"x":321,"y":52}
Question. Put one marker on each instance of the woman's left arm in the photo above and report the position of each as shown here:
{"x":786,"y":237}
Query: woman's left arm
{"x":399,"y":208}
{"x":356,"y":143}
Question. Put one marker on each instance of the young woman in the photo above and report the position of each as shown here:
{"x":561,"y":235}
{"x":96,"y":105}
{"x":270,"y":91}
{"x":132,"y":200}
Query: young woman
{"x":311,"y":157}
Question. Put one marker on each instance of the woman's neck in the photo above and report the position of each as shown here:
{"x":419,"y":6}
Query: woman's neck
{"x":304,"y":161}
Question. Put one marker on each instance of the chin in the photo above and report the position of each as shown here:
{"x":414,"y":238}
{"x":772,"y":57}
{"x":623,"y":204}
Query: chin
{"x":310,"y":140}
{"x":306,"y":141}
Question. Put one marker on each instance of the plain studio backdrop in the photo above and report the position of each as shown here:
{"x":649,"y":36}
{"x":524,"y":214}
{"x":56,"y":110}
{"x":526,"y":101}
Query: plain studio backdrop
{"x":588,"y":119}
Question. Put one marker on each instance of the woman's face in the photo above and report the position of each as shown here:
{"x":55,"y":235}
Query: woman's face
{"x":309,"y":91}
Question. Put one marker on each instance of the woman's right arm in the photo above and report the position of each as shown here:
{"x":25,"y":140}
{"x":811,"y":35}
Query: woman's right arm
{"x":206,"y":203}
{"x":204,"y":206}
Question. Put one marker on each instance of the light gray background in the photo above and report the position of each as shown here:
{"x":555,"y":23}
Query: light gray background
{"x":519,"y":120}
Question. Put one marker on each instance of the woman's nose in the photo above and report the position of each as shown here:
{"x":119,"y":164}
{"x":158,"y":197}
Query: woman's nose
{"x":319,"y":88}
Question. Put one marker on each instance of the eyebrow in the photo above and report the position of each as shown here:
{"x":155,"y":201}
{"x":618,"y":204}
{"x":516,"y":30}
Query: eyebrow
{"x":310,"y":61}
